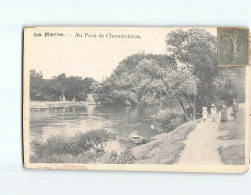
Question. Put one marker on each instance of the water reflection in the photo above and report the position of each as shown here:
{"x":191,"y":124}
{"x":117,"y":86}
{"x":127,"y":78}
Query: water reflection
{"x":68,"y":121}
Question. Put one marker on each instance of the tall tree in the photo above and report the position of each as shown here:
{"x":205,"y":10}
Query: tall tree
{"x":157,"y":82}
{"x":182,"y":85}
{"x":196,"y":49}
{"x":36,"y":79}
{"x":124,"y":83}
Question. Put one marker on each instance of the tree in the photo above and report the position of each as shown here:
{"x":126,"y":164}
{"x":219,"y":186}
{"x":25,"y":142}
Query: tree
{"x":87,"y":83}
{"x":156,"y":82}
{"x":36,"y":79}
{"x":182,"y":85}
{"x":51,"y":89}
{"x":75,"y":88}
{"x":229,"y":84}
{"x":35,"y":75}
{"x":150,"y":76}
{"x":196,"y":49}
{"x":124,"y":85}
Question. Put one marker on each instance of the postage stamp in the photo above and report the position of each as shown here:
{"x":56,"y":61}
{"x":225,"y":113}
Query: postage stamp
{"x":233,"y":46}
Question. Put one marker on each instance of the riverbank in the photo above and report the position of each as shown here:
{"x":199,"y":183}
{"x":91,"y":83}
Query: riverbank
{"x":232,"y":148}
{"x":164,"y":148}
{"x":190,"y":143}
{"x":36,"y":105}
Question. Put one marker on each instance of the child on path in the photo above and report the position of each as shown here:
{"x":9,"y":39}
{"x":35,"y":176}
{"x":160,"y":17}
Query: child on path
{"x":213,"y":112}
{"x":204,"y":113}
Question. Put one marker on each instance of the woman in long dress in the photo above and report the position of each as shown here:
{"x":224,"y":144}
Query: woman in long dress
{"x":224,"y":113}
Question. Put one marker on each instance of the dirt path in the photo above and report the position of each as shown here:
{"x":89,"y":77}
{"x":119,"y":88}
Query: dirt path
{"x":202,"y":144}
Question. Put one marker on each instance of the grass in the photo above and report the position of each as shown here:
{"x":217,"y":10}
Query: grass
{"x":235,"y":130}
{"x":232,"y":155}
{"x":63,"y":158}
{"x":166,"y":147}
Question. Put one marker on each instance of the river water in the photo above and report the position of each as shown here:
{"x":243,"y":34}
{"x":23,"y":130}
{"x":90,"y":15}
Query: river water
{"x":117,"y":119}
{"x":120,"y":120}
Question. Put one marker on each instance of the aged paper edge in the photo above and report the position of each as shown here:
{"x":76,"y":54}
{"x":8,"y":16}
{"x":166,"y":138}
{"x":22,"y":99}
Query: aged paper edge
{"x":129,"y":167}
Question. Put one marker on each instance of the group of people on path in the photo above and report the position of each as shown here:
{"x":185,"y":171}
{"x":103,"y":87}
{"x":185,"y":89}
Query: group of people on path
{"x":213,"y":112}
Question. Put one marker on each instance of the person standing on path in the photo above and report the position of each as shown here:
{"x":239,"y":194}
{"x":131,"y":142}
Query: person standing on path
{"x":235,"y":109}
{"x":213,"y":112}
{"x":204,"y":113}
{"x":223,"y":113}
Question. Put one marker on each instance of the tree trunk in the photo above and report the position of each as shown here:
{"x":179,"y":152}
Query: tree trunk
{"x":182,"y":105}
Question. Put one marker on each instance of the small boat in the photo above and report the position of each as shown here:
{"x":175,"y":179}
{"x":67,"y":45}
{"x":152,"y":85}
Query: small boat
{"x":136,"y":138}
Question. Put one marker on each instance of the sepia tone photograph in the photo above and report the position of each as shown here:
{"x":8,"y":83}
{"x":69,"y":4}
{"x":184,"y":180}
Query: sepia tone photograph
{"x":136,"y":98}
{"x":125,"y":97}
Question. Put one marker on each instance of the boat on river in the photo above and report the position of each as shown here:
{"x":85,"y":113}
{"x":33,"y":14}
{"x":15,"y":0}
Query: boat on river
{"x":136,"y":138}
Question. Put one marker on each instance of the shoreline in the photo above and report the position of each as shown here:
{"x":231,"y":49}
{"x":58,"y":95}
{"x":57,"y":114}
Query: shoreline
{"x":156,"y":152}
{"x":35,"y":105}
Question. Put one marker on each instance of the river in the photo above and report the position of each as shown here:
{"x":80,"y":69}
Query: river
{"x":120,"y":120}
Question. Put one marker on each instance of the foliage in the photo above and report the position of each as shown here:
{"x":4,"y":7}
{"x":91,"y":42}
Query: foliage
{"x":167,"y":120}
{"x":51,"y":89}
{"x":81,"y":143}
{"x":195,"y":50}
{"x":183,"y":86}
{"x":36,"y":80}
{"x":98,"y":138}
{"x":150,"y":78}
{"x":158,"y":83}
{"x":126,"y":157}
{"x":229,"y":84}
{"x":124,"y":85}
{"x":188,"y":71}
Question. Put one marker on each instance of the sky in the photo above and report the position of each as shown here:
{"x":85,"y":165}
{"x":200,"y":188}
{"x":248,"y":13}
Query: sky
{"x":89,"y":56}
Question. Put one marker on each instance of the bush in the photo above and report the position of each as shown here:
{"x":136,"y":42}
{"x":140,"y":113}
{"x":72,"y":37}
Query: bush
{"x":97,"y":138}
{"x":167,"y":120}
{"x":125,"y":157}
{"x":82,"y":143}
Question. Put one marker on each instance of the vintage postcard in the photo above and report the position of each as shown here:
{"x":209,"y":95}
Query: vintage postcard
{"x":137,"y":99}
